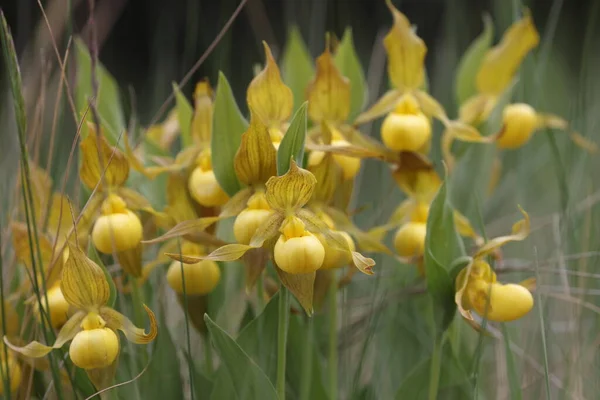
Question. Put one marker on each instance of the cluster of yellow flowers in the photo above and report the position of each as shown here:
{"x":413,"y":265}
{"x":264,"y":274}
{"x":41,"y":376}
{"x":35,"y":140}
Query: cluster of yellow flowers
{"x":292,"y":211}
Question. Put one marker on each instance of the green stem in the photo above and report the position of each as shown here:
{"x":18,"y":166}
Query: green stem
{"x":5,"y":370}
{"x":436,"y":366}
{"x":187,"y":325}
{"x":208,"y":361}
{"x":333,"y":342}
{"x":260,"y":294}
{"x":282,"y":327}
{"x":307,"y":361}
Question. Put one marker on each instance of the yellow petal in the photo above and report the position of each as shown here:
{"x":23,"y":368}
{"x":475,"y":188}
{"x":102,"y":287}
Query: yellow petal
{"x":22,"y":245}
{"x":366,"y":241}
{"x":464,"y":228}
{"x":477,"y":109}
{"x":115,"y":320}
{"x":301,"y":286}
{"x":502,"y":61}
{"x":67,"y":332}
{"x":112,"y":160}
{"x":185,"y":228}
{"x":203,"y":113}
{"x":267,"y":230}
{"x":236,"y":204}
{"x":317,"y":225}
{"x":41,"y":190}
{"x":418,"y":180}
{"x":179,"y":204}
{"x":328,"y":176}
{"x":60,"y":219}
{"x":291,"y":190}
{"x":461,"y":285}
{"x":268,"y":96}
{"x":430,"y":106}
{"x":329,"y":93}
{"x":406,"y":53}
{"x":384,"y":105}
{"x":83,"y":282}
{"x":256,"y":159}
{"x":229,"y":252}
{"x":520,"y":231}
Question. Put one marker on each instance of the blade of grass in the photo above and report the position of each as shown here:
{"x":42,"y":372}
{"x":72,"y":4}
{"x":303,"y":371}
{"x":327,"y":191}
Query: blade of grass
{"x":187,"y":326}
{"x":542,"y":327}
{"x":511,"y":371}
{"x":282,"y":327}
{"x":479,"y":348}
{"x":14,"y":74}
{"x":5,"y":371}
{"x":333,"y":342}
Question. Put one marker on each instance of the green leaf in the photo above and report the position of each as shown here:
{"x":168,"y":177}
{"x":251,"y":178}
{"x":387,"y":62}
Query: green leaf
{"x":292,"y":144}
{"x":296,"y":357}
{"x":348,"y":63}
{"x":228,"y":127}
{"x":471,"y":60}
{"x":108,"y":103}
{"x":249,"y":381}
{"x":185,"y":112}
{"x":93,"y":255}
{"x":443,"y":245}
{"x":297,"y":66}
{"x":162,"y":379}
{"x":202,"y":384}
{"x":415,"y":384}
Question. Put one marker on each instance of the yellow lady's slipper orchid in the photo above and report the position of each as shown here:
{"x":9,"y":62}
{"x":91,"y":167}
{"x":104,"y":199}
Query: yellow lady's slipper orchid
{"x":519,"y":122}
{"x":253,"y":216}
{"x":270,"y":99}
{"x":92,"y":328}
{"x":58,"y":306}
{"x":409,"y":240}
{"x":329,"y":107}
{"x":408,"y":107}
{"x":477,"y":288}
{"x":118,"y":229}
{"x":203,"y":185}
{"x":298,"y":251}
{"x":200,"y":278}
{"x":334,"y":257}
{"x":406,"y":128}
{"x":498,"y":69}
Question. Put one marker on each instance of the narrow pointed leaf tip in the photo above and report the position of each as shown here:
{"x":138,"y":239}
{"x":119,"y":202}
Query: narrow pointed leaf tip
{"x":292,"y":144}
{"x":267,"y":95}
{"x":292,"y":190}
{"x":83,"y":282}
